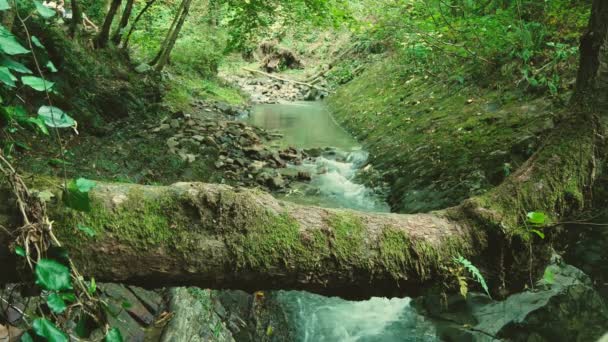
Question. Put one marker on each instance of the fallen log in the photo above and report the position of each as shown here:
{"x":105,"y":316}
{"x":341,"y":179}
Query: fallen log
{"x":215,"y":236}
{"x":284,"y":79}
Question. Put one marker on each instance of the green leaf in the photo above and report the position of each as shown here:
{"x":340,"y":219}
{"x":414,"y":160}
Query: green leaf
{"x":56,"y":303}
{"x":87,"y":230}
{"x":14,"y":65}
{"x":37,"y":83}
{"x":7,"y":77}
{"x":38,"y":123}
{"x":85,"y":185}
{"x":76,"y":199}
{"x":44,"y":328}
{"x":538,"y":232}
{"x":537,"y":218}
{"x":51,"y":66}
{"x":474,"y":271}
{"x":92,"y":286}
{"x":26,"y":338}
{"x":68,"y":296}
{"x":9,"y":44}
{"x":53,"y":276}
{"x":55,"y":117}
{"x":44,"y":11}
{"x":549,"y":276}
{"x":4,"y":5}
{"x":20,"y":251}
{"x":59,"y":162}
{"x":114,"y":335}
{"x":81,"y":327}
{"x":37,"y":42}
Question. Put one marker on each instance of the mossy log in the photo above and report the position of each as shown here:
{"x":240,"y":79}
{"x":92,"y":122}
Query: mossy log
{"x":216,"y":236}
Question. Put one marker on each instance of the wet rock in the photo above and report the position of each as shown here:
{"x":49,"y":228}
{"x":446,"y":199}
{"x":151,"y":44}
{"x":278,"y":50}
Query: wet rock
{"x":566,"y":309}
{"x":150,"y":299}
{"x":304,"y":176}
{"x":123,"y":296}
{"x":194,"y":319}
{"x":174,"y":123}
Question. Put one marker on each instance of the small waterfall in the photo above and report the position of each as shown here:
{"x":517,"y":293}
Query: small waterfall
{"x":317,"y":318}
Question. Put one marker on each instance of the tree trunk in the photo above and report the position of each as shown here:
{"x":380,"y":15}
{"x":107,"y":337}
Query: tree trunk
{"x":166,"y":52}
{"x":134,"y":24}
{"x":163,"y":46}
{"x":124,"y":21}
{"x":592,"y":81}
{"x":104,"y":34}
{"x":76,"y":18}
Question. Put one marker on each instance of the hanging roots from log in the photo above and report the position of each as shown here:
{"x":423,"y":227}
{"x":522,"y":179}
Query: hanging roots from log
{"x":36,"y":236}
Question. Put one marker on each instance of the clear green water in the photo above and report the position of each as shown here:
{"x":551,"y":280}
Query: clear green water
{"x":303,"y":124}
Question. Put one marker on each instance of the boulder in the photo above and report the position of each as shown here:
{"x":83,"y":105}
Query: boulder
{"x":563,"y":307}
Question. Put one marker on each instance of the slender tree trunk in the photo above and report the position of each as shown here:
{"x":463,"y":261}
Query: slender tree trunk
{"x":166,"y":52}
{"x":165,"y":43}
{"x":134,"y":24}
{"x":104,"y":34}
{"x":124,"y":21}
{"x":76,"y":18}
{"x":592,"y":81}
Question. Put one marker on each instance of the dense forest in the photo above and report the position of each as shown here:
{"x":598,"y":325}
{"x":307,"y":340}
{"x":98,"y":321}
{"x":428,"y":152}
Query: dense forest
{"x":303,"y":170}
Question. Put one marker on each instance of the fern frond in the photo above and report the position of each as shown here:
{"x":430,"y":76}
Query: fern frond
{"x":474,"y":272}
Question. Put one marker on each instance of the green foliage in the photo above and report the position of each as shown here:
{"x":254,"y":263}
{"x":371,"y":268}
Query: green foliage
{"x":56,"y":303}
{"x":77,"y":194}
{"x":114,"y":335}
{"x":52,"y":275}
{"x":44,"y":11}
{"x":537,"y":218}
{"x":474,"y":271}
{"x":87,"y":230}
{"x":46,"y":329}
{"x":37,"y":83}
{"x":20,"y":251}
{"x":55,"y":117}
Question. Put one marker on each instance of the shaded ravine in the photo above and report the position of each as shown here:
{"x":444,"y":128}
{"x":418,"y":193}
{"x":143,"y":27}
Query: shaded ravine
{"x":337,"y":159}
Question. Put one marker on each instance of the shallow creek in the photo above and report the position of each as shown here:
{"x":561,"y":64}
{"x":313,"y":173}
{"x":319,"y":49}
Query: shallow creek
{"x":309,"y":125}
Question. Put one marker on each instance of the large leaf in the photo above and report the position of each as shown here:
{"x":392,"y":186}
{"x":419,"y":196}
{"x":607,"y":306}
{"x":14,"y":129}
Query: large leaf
{"x":4,"y":5}
{"x":44,"y":11}
{"x":44,"y":328}
{"x":536,"y":217}
{"x":14,"y":65}
{"x":85,"y":185}
{"x":53,"y":276}
{"x":76,"y":199}
{"x":7,"y":77}
{"x":37,"y":83}
{"x":114,"y":335}
{"x":9,"y":44}
{"x":55,"y":117}
{"x":56,"y":303}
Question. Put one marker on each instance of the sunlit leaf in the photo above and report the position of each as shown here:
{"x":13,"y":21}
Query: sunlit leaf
{"x":20,"y":251}
{"x":37,"y":42}
{"x":85,"y":185}
{"x":44,"y":328}
{"x":51,"y":66}
{"x":9,"y":44}
{"x":52,"y":275}
{"x":4,"y":5}
{"x":538,"y":218}
{"x":56,"y":303}
{"x":37,"y":83}
{"x":55,"y":117}
{"x":44,"y":11}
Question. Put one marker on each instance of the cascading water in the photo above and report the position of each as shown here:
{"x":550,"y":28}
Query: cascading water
{"x":333,"y":184}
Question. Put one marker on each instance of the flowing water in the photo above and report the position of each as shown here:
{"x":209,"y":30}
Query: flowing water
{"x":315,"y":318}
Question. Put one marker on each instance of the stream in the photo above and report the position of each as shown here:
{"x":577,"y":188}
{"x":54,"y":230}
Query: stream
{"x":310,"y":126}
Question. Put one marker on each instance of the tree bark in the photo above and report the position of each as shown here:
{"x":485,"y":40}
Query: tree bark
{"x":134,"y":25}
{"x":163,"y":46}
{"x":592,"y":81}
{"x":104,"y":34}
{"x":76,"y":18}
{"x":124,"y":21}
{"x":166,"y":52}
